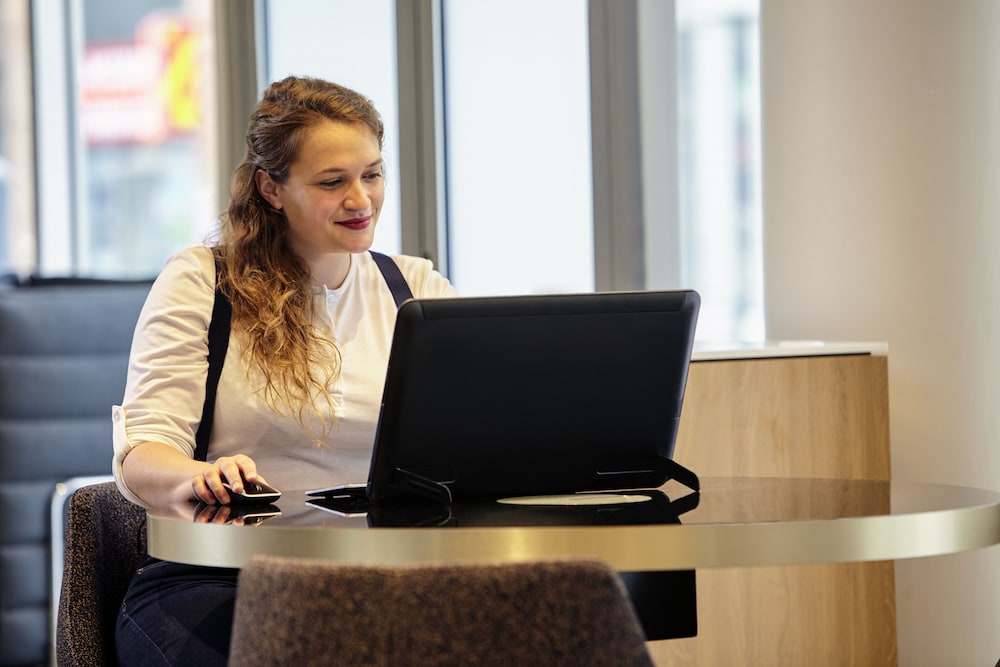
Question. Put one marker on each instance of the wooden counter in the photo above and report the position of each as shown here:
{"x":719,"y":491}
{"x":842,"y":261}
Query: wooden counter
{"x":804,"y":409}
{"x":787,"y":411}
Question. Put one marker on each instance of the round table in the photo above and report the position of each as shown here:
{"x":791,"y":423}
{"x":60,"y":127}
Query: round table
{"x":737,"y":522}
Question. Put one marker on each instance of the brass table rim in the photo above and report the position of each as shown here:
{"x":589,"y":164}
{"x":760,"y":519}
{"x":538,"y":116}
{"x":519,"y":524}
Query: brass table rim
{"x":628,"y":548}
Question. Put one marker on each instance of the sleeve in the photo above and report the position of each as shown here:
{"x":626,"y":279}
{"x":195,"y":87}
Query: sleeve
{"x":168,"y":363}
{"x":424,"y":281}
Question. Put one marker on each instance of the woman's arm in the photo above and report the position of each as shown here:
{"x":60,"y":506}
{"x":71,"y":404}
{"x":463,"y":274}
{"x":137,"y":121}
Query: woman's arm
{"x":154,"y":428}
{"x":160,"y":475}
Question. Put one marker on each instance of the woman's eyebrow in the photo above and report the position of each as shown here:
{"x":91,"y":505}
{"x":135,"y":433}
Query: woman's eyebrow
{"x":339,"y":170}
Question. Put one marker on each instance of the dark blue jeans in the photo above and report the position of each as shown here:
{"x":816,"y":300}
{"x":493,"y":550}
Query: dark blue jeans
{"x":176,"y":615}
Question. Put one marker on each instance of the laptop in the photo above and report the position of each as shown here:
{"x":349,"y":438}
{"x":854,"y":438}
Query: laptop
{"x":513,"y":396}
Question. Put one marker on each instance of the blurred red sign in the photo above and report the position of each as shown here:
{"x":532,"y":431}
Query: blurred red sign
{"x":144,"y":91}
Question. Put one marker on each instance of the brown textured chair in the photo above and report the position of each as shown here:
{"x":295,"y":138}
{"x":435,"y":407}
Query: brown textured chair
{"x":310,"y":613}
{"x":105,"y":542}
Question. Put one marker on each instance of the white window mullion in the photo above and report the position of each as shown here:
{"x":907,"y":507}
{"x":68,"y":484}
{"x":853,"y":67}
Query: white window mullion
{"x":57,"y":203}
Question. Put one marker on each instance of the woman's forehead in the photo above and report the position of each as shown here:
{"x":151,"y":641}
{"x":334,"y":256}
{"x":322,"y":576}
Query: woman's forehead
{"x":333,"y":142}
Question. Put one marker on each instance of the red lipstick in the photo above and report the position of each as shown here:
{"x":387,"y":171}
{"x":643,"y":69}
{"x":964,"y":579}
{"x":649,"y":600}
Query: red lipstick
{"x":356,"y":224}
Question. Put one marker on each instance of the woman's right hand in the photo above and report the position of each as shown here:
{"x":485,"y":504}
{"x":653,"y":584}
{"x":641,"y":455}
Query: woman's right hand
{"x":208,"y":487}
{"x":161,"y":475}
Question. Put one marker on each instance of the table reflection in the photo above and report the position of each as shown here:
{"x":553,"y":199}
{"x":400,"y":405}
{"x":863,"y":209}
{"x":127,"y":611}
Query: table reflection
{"x":720,"y":501}
{"x":731,"y":522}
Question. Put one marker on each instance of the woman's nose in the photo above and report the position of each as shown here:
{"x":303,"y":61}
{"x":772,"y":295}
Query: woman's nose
{"x":357,"y":197}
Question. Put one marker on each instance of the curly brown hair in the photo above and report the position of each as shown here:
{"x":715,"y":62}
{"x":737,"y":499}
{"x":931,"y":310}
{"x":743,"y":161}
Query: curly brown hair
{"x":269,"y":285}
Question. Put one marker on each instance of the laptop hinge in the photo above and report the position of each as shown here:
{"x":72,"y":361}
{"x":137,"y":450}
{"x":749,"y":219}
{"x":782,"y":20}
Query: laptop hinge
{"x":425,"y":486}
{"x":676,"y":471}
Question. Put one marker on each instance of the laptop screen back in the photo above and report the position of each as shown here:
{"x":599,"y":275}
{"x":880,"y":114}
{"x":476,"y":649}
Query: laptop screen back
{"x":506,"y":396}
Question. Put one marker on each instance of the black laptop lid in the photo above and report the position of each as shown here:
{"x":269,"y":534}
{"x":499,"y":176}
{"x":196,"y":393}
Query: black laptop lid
{"x":505,"y":396}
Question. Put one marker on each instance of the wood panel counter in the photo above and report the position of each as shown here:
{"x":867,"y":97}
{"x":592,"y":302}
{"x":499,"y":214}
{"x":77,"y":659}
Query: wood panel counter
{"x":790,"y":409}
{"x":802,"y":409}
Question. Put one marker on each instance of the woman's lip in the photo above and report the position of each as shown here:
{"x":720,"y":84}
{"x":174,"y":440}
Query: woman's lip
{"x":357,"y":224}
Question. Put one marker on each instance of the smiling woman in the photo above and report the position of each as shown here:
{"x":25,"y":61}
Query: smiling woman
{"x":312,"y":322}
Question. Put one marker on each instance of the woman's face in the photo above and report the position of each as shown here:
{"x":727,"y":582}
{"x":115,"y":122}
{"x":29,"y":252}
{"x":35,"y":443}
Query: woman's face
{"x":334,"y":191}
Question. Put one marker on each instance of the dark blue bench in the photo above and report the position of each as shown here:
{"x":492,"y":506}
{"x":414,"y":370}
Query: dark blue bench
{"x":63,"y":357}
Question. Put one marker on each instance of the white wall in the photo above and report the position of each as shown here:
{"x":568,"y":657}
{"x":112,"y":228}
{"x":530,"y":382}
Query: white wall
{"x":881,"y":123}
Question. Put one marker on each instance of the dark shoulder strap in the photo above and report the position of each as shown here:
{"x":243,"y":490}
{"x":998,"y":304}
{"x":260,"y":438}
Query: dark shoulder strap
{"x":218,"y":344}
{"x":218,"y":341}
{"x":393,"y":277}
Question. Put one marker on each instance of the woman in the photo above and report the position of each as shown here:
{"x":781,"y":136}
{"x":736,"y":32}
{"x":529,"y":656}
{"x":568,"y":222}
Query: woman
{"x":312,"y":321}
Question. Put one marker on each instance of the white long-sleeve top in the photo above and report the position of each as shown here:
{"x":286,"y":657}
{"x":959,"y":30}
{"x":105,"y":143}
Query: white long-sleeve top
{"x":168,"y":365}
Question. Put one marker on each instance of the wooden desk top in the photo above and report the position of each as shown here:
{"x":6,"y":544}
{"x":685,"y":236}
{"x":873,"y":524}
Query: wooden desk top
{"x":737,"y":522}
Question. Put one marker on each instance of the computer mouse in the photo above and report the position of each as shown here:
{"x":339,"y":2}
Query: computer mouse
{"x":254,"y":493}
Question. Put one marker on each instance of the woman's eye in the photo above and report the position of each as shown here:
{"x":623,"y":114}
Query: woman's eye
{"x":374,"y":176}
{"x":331,"y":184}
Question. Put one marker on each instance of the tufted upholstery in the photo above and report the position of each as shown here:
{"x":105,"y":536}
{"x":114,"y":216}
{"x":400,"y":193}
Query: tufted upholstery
{"x":310,"y":613}
{"x":105,"y":542}
{"x":63,"y":357}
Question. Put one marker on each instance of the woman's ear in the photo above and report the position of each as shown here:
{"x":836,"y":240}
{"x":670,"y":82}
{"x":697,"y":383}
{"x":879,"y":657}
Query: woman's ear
{"x":268,"y":188}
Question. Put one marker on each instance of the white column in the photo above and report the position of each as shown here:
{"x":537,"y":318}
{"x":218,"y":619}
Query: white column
{"x":881,"y":149}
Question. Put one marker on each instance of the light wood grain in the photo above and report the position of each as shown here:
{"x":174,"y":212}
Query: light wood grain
{"x":817,"y":615}
{"x":824,"y":417}
{"x":790,"y":417}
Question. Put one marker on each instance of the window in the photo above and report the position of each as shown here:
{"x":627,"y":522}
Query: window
{"x":721,"y":244}
{"x":128,"y":159}
{"x":517,"y":99}
{"x":126,"y":134}
{"x":17,"y":218}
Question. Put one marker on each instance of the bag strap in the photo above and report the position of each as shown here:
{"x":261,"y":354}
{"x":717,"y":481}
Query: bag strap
{"x":218,"y":344}
{"x":218,"y":340}
{"x":393,"y":277}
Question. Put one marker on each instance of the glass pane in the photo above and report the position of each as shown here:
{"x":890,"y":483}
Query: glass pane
{"x":146,"y":127}
{"x":17,"y":222}
{"x":720,"y":165}
{"x":517,"y":113}
{"x":361,"y":54}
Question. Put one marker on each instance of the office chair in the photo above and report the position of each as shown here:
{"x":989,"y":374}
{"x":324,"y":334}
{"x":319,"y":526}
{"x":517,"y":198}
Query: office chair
{"x":311,"y":613}
{"x":105,"y":542}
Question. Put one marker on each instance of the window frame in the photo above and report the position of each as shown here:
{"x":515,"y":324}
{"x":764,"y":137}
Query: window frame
{"x":636,"y":227}
{"x":620,"y":142}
